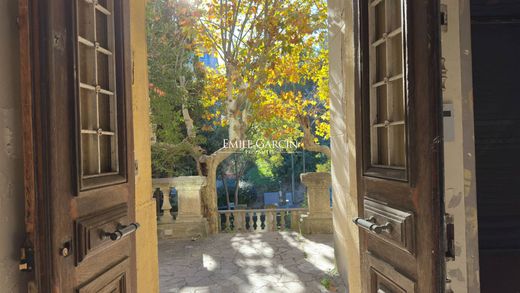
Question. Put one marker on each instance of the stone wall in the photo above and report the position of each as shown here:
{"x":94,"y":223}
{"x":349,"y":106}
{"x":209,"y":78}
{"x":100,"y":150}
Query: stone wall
{"x":146,"y":243}
{"x":343,"y":141}
{"x":11,"y":172}
{"x":459,"y":148}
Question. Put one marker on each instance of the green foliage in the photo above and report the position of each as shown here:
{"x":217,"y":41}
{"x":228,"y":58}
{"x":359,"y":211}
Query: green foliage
{"x":176,"y":78}
{"x":326,"y":282}
{"x":167,"y":162}
{"x":325,"y":167}
{"x":246,"y":193}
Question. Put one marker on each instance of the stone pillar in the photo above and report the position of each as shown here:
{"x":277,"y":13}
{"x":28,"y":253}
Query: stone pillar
{"x":190,"y":222}
{"x":190,"y":198}
{"x":319,"y":219}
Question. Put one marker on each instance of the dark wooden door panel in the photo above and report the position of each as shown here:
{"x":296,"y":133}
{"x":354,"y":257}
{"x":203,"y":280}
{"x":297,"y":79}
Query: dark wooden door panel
{"x":399,"y":125}
{"x":396,"y":226}
{"x":91,"y":238}
{"x":114,"y":280}
{"x":386,"y":279}
{"x":83,"y":146}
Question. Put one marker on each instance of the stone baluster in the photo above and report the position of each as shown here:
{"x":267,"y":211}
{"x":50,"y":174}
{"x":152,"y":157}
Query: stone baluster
{"x":268,"y":221}
{"x":252,"y":221}
{"x":238,"y":221}
{"x":263,"y":224}
{"x":165,"y":221}
{"x":246,"y":222}
{"x":243,"y":218}
{"x":282,"y":220}
{"x":275,"y":224}
{"x":164,"y":185}
{"x":274,"y":220}
{"x":166,"y":217}
{"x":295,"y":220}
{"x":227,"y":227}
{"x":256,"y":223}
{"x":250,"y":215}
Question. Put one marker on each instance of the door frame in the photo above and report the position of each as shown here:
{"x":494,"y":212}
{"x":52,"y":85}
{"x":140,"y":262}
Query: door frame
{"x":37,"y":203}
{"x":35,"y":42}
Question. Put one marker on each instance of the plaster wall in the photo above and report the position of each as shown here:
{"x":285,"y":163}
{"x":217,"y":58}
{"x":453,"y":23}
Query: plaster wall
{"x":11,"y":172}
{"x":343,"y":141}
{"x":146,"y":237}
{"x":459,"y":151}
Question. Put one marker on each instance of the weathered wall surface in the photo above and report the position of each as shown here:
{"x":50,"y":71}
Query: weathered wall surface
{"x":11,"y":182}
{"x":459,"y":148}
{"x":343,"y":141}
{"x":147,"y":258}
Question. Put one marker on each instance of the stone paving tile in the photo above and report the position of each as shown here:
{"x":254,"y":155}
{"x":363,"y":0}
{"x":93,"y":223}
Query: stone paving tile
{"x":274,"y":262}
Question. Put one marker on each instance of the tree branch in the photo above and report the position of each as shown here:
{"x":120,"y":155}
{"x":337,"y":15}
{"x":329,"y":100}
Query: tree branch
{"x":308,"y":138}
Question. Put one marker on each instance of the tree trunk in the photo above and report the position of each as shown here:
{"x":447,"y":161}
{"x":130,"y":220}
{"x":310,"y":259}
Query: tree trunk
{"x":209,"y":196}
{"x":237,"y":181}
{"x":226,"y":189}
{"x":308,"y":138}
{"x":236,"y":193}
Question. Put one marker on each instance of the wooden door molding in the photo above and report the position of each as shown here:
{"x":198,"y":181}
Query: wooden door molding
{"x":37,"y":210}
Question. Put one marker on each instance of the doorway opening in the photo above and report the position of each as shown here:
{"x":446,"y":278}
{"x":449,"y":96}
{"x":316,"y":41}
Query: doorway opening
{"x":495,"y":45}
{"x":239,"y":110}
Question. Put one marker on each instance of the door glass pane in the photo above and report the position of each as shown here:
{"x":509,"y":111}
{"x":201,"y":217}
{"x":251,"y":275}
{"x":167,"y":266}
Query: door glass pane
{"x":87,"y":64}
{"x":89,"y":146}
{"x":387,"y":116}
{"x":88,"y":108}
{"x":97,"y":88}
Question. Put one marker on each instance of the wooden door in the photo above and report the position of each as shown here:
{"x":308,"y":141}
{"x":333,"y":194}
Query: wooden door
{"x":78,"y":145}
{"x":399,"y":126}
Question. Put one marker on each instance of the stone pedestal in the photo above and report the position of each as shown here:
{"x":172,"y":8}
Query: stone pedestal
{"x":319,"y":219}
{"x":189,"y":222}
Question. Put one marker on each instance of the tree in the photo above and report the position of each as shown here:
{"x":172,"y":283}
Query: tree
{"x":295,"y":100}
{"x":255,"y":42}
{"x":249,"y":37}
{"x":176,"y":84}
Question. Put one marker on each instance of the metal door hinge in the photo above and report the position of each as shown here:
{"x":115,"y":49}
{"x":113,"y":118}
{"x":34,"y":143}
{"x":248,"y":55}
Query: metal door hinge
{"x":444,"y":17}
{"x":26,"y":259}
{"x":447,"y":288}
{"x":450,"y":237}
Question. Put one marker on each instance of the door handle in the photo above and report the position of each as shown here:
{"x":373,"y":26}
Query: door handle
{"x":121,"y":232}
{"x":371,"y":225}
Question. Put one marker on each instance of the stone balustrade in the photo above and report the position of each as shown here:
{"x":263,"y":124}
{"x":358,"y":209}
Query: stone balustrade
{"x":261,"y":220}
{"x":189,"y":222}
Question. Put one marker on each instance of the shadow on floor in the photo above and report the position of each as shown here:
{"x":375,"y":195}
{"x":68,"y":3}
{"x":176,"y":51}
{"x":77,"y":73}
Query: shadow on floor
{"x":251,"y":262}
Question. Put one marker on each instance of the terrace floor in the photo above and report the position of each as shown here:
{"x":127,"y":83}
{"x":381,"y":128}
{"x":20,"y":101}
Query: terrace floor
{"x":250,"y":262}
